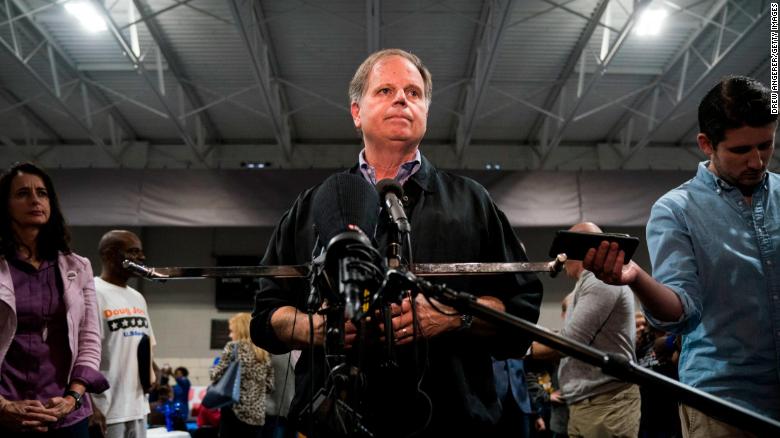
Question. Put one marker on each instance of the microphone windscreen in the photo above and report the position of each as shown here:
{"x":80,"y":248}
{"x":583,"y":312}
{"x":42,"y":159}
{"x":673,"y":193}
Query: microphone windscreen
{"x":345,"y":199}
{"x":389,"y":185}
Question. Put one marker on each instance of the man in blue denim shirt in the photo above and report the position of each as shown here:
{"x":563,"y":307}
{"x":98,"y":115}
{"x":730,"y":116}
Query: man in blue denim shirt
{"x":715,"y":248}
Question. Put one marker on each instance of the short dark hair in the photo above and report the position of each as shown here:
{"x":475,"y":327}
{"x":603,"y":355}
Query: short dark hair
{"x":735,"y":102}
{"x":54,"y":235}
{"x":111,"y":242}
{"x":184,"y":371}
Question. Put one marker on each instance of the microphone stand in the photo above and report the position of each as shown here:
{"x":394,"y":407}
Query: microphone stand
{"x":301,"y":271}
{"x":343,"y":385}
{"x":466,"y":303}
{"x":393,"y":260}
{"x":612,"y":364}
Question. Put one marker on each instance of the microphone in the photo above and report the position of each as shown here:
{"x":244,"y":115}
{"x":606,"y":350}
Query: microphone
{"x":141,"y":270}
{"x":345,"y":209}
{"x":391,"y":193}
{"x":344,"y":199}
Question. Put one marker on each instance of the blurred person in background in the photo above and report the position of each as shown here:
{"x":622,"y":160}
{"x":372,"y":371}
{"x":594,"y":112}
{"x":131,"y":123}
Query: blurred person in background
{"x":125,"y":330}
{"x":601,"y":316}
{"x":161,"y":379}
{"x":278,"y":401}
{"x":247,"y":417}
{"x":181,"y":392}
{"x":659,"y":351}
{"x":512,"y":390}
{"x":553,"y":420}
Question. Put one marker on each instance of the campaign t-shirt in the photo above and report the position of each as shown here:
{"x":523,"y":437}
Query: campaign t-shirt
{"x":124,"y":319}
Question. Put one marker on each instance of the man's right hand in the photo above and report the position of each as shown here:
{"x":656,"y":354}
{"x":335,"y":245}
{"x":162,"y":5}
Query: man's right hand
{"x":25,"y":415}
{"x":607,"y":263}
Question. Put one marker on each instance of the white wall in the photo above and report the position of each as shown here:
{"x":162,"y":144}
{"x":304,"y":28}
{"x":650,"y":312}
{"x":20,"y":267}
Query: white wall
{"x":181,"y":310}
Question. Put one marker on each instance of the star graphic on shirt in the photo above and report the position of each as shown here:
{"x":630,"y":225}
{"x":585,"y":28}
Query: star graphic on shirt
{"x":114,"y":325}
{"x":132,"y":322}
{"x":124,"y":323}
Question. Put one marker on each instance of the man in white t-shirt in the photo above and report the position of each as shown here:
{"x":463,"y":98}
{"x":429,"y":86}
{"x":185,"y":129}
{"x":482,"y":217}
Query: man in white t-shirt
{"x":124,"y":324}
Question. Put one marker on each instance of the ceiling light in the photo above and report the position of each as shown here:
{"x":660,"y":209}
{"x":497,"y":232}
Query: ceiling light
{"x":255,"y":164}
{"x":87,"y":15}
{"x":650,"y":22}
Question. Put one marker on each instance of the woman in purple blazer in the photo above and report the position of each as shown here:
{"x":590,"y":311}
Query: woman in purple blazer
{"x":49,"y":340}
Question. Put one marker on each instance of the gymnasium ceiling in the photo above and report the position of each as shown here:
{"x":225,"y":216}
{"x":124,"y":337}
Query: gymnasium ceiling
{"x":219,"y":84}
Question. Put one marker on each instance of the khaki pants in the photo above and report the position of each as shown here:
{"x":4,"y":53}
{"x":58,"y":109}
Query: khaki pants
{"x":696,"y":424}
{"x":611,"y":414}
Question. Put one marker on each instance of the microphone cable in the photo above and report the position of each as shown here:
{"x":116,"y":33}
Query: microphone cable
{"x":311,"y":373}
{"x":416,"y":328}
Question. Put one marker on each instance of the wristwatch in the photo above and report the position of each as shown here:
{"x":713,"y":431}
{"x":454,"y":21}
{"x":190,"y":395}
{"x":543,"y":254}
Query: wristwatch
{"x":465,"y":322}
{"x":76,"y":396}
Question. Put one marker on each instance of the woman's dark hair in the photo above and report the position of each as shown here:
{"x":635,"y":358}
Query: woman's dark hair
{"x":184,"y":372}
{"x":735,"y":102}
{"x":54,"y":235}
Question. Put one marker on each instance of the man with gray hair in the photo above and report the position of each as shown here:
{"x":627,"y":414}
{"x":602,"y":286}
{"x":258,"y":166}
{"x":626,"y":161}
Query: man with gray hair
{"x":601,"y":316}
{"x":443,"y":382}
{"x":127,"y":338}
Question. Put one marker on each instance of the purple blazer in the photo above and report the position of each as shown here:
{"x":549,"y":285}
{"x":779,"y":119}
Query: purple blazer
{"x":82,"y":318}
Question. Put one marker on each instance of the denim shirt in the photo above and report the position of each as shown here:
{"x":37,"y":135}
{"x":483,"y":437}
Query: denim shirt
{"x":721,"y":255}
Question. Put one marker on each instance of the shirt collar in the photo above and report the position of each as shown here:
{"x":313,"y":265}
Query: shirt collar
{"x":424,"y":177}
{"x":407,"y":169}
{"x":704,"y":174}
{"x":26,"y":267}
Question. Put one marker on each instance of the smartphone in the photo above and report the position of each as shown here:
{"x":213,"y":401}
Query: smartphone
{"x":576,"y":244}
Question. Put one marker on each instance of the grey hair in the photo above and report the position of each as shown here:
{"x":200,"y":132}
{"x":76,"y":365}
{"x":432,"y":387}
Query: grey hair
{"x":359,"y":82}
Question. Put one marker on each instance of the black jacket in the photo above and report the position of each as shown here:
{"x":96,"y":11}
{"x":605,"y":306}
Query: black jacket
{"x":453,"y":219}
